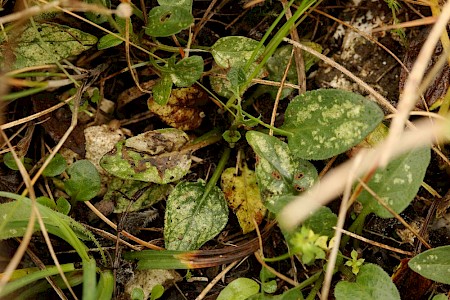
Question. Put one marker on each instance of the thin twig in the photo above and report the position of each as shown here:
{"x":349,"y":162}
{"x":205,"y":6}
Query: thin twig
{"x":215,"y":280}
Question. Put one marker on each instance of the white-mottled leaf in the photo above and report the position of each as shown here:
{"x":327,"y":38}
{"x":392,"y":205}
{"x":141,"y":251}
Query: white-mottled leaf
{"x":153,"y":156}
{"x":187,"y":71}
{"x":328,"y":122}
{"x":59,"y":42}
{"x":372,"y":283}
{"x":181,"y":3}
{"x":398,"y":184}
{"x":193,"y":217}
{"x":277,"y":171}
{"x":162,"y":90}
{"x":167,"y":20}
{"x":433,"y":264}
{"x":234,"y":51}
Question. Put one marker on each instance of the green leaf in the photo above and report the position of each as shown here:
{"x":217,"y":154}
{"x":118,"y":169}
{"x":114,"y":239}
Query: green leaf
{"x":98,"y":18}
{"x":56,"y":166}
{"x":277,"y":171}
{"x":440,"y":297}
{"x":187,"y":71}
{"x":322,"y":222}
{"x":16,"y":214}
{"x":162,"y":90}
{"x":46,"y":201}
{"x":180,"y":3}
{"x":63,"y":206}
{"x":59,"y":42}
{"x":193,"y":217}
{"x":108,"y":41}
{"x":133,"y":195}
{"x":239,"y":289}
{"x":242,"y":194}
{"x":398,"y":184}
{"x":157,"y":292}
{"x":327,"y":122}
{"x":433,"y":264}
{"x":234,"y":51}
{"x":153,"y":156}
{"x":84,"y":182}
{"x":167,"y":20}
{"x":276,"y":66}
{"x":8,"y":160}
{"x":372,"y":283}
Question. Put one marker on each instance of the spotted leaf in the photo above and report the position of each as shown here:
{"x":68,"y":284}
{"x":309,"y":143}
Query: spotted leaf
{"x":166,"y":20}
{"x":193,"y":216}
{"x":327,"y":122}
{"x":433,"y":264}
{"x":277,"y":171}
{"x":398,"y":184}
{"x":153,"y":156}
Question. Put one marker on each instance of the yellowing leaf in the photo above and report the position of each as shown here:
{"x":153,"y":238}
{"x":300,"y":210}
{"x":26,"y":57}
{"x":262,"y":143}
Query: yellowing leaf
{"x":243,"y":197}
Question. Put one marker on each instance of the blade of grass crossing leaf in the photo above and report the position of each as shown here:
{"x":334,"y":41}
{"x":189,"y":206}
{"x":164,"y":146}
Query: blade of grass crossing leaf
{"x":21,"y":282}
{"x":89,"y":279}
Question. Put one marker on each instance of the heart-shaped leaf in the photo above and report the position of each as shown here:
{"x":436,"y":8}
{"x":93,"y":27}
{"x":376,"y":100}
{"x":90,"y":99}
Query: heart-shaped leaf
{"x":153,"y":156}
{"x":398,"y":184}
{"x":372,"y":283}
{"x":193,"y":216}
{"x":242,"y":194}
{"x":166,"y":20}
{"x":278,"y":173}
{"x":84,"y":182}
{"x":433,"y":264}
{"x":187,"y":71}
{"x":327,"y":122}
{"x":234,"y":51}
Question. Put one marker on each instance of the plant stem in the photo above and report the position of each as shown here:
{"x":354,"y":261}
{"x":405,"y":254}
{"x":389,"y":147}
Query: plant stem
{"x":217,"y":172}
{"x":310,"y":280}
{"x":278,"y":258}
{"x":275,"y":130}
{"x":316,"y":287}
{"x":356,"y":226}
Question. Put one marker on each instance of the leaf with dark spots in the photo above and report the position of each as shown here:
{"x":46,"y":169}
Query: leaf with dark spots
{"x":153,"y":156}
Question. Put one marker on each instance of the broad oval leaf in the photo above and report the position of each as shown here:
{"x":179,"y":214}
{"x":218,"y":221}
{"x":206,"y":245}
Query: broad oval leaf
{"x":398,"y":184}
{"x":84,"y":182}
{"x":327,"y":122}
{"x":56,"y":166}
{"x":239,"y":289}
{"x":153,"y":156}
{"x":372,"y":283}
{"x":59,"y":42}
{"x":277,"y":171}
{"x":234,"y":51}
{"x":187,"y":71}
{"x":242,"y":194}
{"x":167,"y":20}
{"x":193,"y":216}
{"x":433,"y":264}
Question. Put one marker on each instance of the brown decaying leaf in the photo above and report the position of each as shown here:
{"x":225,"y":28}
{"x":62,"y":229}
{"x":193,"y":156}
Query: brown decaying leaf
{"x":183,"y":109}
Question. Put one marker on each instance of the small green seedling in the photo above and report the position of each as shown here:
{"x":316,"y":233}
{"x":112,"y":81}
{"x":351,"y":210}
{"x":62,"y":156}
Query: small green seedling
{"x":84,"y":182}
{"x":355,"y":262}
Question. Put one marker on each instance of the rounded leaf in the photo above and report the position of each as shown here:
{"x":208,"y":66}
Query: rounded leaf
{"x":187,"y":71}
{"x":372,"y":283}
{"x":56,"y":166}
{"x":167,"y":20}
{"x":84,"y":182}
{"x":327,"y":122}
{"x":239,"y":289}
{"x":234,"y":51}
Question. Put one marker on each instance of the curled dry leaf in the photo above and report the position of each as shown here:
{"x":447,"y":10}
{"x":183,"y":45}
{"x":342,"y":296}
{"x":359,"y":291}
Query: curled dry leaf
{"x":183,"y":108}
{"x":242,"y":194}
